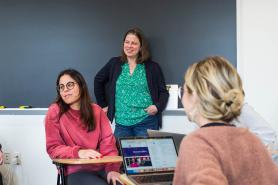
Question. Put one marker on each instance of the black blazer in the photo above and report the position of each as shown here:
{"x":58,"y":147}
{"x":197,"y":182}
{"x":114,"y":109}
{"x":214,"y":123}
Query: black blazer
{"x":105,"y":85}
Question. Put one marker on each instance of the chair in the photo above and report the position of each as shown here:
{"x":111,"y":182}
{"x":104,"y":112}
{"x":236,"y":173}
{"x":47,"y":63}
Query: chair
{"x":61,"y":163}
{"x":1,"y":179}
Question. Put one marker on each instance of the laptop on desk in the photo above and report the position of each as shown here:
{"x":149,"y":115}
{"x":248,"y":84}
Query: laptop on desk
{"x":176,"y":136}
{"x":149,"y":160}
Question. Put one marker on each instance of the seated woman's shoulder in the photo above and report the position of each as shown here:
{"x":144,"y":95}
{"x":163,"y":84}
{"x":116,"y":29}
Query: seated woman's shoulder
{"x":96,"y":107}
{"x":53,"y":107}
{"x":53,"y":111}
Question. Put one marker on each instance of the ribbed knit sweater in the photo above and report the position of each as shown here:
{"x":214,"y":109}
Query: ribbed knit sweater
{"x":67,"y":135}
{"x":222,"y":155}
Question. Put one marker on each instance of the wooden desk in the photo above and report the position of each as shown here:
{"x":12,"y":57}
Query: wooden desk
{"x":61,"y":163}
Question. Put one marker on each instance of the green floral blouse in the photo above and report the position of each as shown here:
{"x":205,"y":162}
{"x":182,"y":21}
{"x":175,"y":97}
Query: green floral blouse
{"x":132,"y":96}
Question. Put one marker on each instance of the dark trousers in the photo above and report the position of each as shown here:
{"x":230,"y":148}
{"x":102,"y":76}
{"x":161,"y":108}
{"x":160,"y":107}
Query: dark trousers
{"x":87,"y":178}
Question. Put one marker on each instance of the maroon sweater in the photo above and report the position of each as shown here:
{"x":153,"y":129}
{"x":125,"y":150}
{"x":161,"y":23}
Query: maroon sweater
{"x":65,"y":137}
{"x":222,"y":155}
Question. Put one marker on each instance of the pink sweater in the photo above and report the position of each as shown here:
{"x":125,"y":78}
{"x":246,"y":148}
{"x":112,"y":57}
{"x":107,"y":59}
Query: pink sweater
{"x":222,"y":155}
{"x":65,"y":137}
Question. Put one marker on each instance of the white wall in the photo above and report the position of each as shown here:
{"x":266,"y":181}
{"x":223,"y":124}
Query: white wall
{"x":25,"y":134}
{"x":257,"y":30}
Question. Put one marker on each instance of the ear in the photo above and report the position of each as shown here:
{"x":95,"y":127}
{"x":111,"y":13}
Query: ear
{"x":195,"y":101}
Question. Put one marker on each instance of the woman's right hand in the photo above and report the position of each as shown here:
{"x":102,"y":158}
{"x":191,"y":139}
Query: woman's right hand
{"x":105,"y":109}
{"x":113,"y":177}
{"x":89,"y":154}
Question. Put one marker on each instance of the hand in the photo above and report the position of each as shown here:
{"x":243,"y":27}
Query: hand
{"x":89,"y":154}
{"x":105,"y":109}
{"x":151,"y":110}
{"x":114,"y":176}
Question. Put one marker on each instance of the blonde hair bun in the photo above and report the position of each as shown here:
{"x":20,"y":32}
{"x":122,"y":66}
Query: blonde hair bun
{"x":233,"y":101}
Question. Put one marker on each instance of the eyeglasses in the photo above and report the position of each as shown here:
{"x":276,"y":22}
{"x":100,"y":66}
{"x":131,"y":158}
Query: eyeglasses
{"x":181,"y":91}
{"x":69,"y":85}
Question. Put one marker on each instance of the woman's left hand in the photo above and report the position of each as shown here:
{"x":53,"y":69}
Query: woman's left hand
{"x":113,"y":176}
{"x":151,"y":110}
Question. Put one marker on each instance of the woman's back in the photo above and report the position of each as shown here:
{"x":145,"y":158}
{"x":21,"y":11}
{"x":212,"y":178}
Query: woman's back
{"x":225,"y":155}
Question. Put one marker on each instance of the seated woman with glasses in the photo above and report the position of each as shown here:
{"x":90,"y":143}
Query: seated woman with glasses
{"x":219,"y":153}
{"x":76,"y":128}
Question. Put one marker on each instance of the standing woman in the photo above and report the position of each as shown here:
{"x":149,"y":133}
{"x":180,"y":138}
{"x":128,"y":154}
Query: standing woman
{"x":219,"y":153}
{"x":137,"y":90}
{"x":75,"y":128}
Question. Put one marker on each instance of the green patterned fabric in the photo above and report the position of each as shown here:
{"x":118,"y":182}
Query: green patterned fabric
{"x":132,"y":96}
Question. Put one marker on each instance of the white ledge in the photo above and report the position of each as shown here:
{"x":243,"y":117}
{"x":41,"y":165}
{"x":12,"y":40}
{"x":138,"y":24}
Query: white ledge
{"x":42,"y":111}
{"x":29,"y":111}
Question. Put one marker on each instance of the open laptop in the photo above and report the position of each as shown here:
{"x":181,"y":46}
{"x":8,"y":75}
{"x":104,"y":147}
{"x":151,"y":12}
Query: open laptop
{"x":149,"y":160}
{"x":177,"y":137}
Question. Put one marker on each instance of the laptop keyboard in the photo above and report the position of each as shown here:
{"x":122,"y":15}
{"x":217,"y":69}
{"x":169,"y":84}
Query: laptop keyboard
{"x":154,"y":178}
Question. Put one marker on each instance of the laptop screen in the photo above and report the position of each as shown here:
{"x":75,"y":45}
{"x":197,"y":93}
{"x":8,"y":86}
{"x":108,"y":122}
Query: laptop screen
{"x":146,"y":155}
{"x":176,"y":136}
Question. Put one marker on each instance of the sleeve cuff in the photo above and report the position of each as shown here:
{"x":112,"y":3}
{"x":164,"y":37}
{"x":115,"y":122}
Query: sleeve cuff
{"x":75,"y":151}
{"x":158,"y":108}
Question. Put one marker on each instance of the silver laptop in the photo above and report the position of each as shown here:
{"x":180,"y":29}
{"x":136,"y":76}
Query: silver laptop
{"x":149,"y":160}
{"x":177,"y":137}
